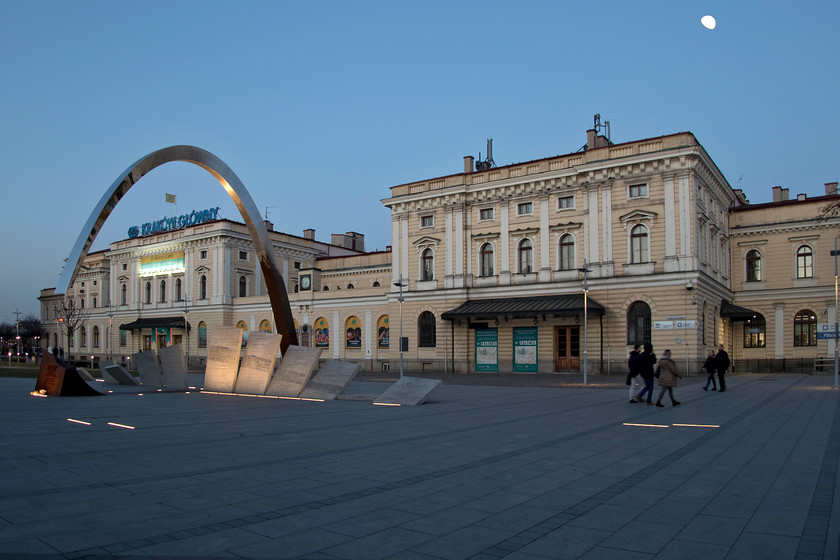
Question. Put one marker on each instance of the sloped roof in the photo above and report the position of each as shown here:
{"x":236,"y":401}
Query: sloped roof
{"x":155,"y":322}
{"x":522,"y":307}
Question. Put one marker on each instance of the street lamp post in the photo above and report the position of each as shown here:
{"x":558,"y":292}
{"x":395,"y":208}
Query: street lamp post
{"x":585,"y":271}
{"x":110,"y":329}
{"x":835,"y":254}
{"x":186,"y":331}
{"x":401,"y":285}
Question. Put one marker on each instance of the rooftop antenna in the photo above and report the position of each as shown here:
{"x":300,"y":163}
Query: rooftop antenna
{"x":266,"y":212}
{"x":606,"y":126}
{"x":481,"y":165}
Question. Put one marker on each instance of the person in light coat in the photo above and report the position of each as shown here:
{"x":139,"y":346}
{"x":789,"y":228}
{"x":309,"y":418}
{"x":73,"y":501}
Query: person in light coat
{"x":667,"y":378}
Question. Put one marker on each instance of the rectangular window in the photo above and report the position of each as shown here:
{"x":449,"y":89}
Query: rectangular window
{"x":243,"y":255}
{"x":427,"y":221}
{"x":525,"y":208}
{"x":638,"y":191}
{"x":754,"y":333}
{"x":565,"y":202}
{"x":297,"y":265}
{"x":125,"y":266}
{"x":122,"y":337}
{"x":202,"y":254}
{"x":485,"y":214}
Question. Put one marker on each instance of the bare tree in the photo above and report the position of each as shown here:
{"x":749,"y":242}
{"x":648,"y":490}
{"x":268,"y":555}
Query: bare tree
{"x":73,"y":316}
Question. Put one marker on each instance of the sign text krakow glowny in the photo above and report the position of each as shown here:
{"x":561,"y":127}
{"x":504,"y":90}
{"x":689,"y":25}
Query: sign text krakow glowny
{"x":174,"y":223}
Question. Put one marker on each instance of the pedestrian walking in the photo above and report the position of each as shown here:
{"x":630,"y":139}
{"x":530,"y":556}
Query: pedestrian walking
{"x":647,"y":360}
{"x":710,"y":367}
{"x":634,"y":378}
{"x":667,"y":378}
{"x":721,"y":364}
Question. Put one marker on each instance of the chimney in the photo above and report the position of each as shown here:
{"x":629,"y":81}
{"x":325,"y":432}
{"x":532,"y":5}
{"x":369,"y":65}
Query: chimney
{"x":309,"y":234}
{"x":831,"y":189}
{"x":469,"y":164}
{"x":268,"y":225}
{"x":780,"y":194}
{"x":590,"y":139}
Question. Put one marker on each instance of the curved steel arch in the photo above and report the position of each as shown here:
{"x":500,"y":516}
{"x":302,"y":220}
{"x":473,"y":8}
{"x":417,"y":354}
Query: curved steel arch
{"x":234,"y":187}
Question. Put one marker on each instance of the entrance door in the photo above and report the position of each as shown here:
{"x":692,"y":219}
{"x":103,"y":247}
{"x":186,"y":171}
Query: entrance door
{"x":567,"y":349}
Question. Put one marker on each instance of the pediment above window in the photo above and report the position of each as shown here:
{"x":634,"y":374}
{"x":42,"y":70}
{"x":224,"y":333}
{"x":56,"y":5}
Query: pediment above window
{"x":637,"y":217}
{"x":426,"y":242}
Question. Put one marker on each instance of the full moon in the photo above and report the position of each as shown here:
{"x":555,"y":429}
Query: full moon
{"x":708,"y":22}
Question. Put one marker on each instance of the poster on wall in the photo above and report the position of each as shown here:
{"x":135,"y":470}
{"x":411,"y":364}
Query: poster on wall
{"x":487,"y":350}
{"x":525,"y":349}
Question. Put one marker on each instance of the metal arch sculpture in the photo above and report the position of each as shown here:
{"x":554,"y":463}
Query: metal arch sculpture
{"x":234,"y":187}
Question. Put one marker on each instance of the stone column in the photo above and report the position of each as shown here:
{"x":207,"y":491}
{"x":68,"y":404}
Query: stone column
{"x":779,"y":330}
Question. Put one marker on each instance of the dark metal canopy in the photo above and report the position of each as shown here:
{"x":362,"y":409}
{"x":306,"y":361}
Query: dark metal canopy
{"x":736,"y":312}
{"x":524,"y":307}
{"x":154,"y":323}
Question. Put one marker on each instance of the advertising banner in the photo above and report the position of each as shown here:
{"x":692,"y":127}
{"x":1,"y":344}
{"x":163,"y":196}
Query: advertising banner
{"x":487,"y":350}
{"x":525,"y":349}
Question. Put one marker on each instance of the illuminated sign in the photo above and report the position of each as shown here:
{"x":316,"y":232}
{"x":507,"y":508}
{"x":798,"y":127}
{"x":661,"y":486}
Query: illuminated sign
{"x":175,"y":222}
{"x":165,"y":262}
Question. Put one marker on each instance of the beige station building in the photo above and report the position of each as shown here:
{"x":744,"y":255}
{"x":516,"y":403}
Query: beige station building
{"x":551,"y":265}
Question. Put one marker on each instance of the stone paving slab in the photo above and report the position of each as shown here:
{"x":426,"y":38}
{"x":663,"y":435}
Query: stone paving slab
{"x":477,"y":472}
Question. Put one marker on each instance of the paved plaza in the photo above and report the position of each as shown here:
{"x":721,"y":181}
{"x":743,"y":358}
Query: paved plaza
{"x":481,"y":472}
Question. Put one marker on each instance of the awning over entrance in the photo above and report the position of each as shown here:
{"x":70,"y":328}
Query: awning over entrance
{"x":736,"y":312}
{"x":154,"y":323}
{"x":524,"y":307}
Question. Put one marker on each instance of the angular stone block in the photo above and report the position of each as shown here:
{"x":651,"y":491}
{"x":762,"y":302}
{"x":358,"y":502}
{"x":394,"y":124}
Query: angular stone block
{"x":329,"y":381}
{"x":257,"y":365}
{"x":408,"y":391}
{"x":85,"y":374}
{"x":122,"y":375}
{"x":293,"y":372}
{"x":223,"y":347}
{"x":57,"y":380}
{"x":173,"y":367}
{"x":147,"y":366}
{"x":103,"y":369}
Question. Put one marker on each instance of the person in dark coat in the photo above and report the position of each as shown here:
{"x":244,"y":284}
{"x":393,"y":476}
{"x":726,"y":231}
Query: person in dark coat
{"x":710,"y":368}
{"x":722,"y":364}
{"x":647,"y":360}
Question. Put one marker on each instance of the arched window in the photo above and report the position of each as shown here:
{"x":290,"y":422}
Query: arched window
{"x":243,"y":286}
{"x":383,"y":331}
{"x":566,"y":258}
{"x":94,"y":302}
{"x":426,"y":330}
{"x":351,"y":287}
{"x":265,"y":326}
{"x":82,"y":337}
{"x":241,"y":325}
{"x":427,"y":263}
{"x":804,"y":262}
{"x":753,"y":266}
{"x":202,"y":287}
{"x":82,"y":303}
{"x":96,"y":337}
{"x":638,"y":323}
{"x":147,"y":296}
{"x":639,"y":245}
{"x":487,"y":256}
{"x":375,"y":284}
{"x":325,"y":289}
{"x":526,"y":256}
{"x":805,"y":328}
{"x":754,"y":336}
{"x":123,"y":293}
{"x":353,"y":328}
{"x":178,"y":290}
{"x":202,"y":335}
{"x":162,"y":291}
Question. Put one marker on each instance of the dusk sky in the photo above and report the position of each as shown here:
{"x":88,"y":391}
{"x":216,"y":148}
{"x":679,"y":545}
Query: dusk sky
{"x":320,"y":107}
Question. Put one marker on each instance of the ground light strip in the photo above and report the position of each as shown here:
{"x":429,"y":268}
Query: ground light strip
{"x":120,"y":425}
{"x":386,"y":404}
{"x":667,"y":426}
{"x":78,"y":421}
{"x":261,"y":396}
